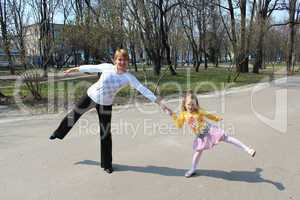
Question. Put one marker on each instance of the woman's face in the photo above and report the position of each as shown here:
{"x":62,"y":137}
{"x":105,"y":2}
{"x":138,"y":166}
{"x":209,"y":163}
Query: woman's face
{"x":121,"y":63}
{"x":190,"y":104}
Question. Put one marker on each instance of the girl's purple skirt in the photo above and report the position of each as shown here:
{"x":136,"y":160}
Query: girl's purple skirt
{"x":211,"y":136}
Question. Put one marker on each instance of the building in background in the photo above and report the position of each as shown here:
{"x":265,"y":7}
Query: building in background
{"x":15,"y":53}
{"x":60,"y":54}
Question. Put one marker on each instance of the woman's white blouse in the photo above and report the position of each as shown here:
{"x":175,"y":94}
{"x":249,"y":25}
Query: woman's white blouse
{"x":104,"y":90}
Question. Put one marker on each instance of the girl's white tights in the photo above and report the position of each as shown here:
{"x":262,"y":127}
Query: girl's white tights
{"x":236,"y":142}
{"x":196,"y":158}
{"x":227,"y":139}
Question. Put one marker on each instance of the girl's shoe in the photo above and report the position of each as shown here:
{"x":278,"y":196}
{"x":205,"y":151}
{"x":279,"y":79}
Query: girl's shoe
{"x":190,"y":173}
{"x":252,"y":152}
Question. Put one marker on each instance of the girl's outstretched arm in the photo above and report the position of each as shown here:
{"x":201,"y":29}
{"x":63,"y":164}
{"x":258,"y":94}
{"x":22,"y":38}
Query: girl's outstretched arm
{"x":213,"y":117}
{"x":178,"y":121}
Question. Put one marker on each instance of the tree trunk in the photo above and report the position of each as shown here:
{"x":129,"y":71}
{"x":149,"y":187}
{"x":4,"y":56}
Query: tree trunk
{"x":259,"y":57}
{"x":196,"y":60}
{"x":9,"y":56}
{"x":86,"y":56}
{"x":169,"y":61}
{"x":259,"y":51}
{"x":203,"y":16}
{"x":214,"y":54}
{"x":133,"y":56}
{"x":157,"y":65}
{"x":243,"y":58}
{"x":233,"y":36}
{"x":197,"y":65}
{"x":264,"y":13}
{"x":5,"y":35}
{"x":291,"y":48}
{"x":291,"y":38}
{"x":175,"y":56}
{"x":205,"y":61}
{"x":164,"y":37}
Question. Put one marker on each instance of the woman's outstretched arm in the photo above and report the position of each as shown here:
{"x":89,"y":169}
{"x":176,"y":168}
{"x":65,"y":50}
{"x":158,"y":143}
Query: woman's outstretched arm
{"x":142,"y":89}
{"x":147,"y":93}
{"x":89,"y":68}
{"x":213,"y":117}
{"x":73,"y":69}
{"x":178,"y":121}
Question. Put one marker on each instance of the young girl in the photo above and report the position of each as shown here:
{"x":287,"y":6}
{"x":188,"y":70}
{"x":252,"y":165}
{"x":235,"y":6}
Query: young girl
{"x":207,"y":134}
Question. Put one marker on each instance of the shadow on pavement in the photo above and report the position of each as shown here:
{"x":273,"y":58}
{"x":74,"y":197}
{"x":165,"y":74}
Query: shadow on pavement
{"x":242,"y":176}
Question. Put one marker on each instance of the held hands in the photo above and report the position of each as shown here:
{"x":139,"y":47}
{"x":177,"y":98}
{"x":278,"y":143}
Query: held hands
{"x":163,"y":106}
{"x":167,"y":110}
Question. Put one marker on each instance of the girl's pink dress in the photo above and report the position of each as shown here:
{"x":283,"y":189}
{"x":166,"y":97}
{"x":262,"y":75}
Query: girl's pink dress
{"x":211,"y":136}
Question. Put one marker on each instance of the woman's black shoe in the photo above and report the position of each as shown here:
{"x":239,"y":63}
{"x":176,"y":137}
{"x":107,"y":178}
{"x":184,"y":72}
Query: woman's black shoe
{"x":109,"y":170}
{"x":52,"y":137}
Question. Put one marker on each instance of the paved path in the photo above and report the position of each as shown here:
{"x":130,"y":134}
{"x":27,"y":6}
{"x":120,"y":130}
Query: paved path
{"x":151,"y":156}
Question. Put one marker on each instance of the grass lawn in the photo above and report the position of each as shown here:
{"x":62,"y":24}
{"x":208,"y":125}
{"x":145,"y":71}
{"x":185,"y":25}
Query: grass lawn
{"x":4,"y":71}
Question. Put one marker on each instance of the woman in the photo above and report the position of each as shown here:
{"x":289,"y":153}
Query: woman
{"x":101,"y":95}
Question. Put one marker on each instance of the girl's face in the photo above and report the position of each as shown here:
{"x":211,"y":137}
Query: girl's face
{"x":121,"y":63}
{"x":190,"y":104}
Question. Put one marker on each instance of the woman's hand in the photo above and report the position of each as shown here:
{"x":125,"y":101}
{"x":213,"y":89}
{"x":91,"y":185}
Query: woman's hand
{"x":168,"y":111}
{"x":158,"y":100}
{"x":68,"y":71}
{"x":163,"y":106}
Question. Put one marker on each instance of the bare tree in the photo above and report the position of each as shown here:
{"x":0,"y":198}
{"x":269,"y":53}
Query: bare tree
{"x":166,"y":7}
{"x":6,"y":36}
{"x":44,"y":12}
{"x":132,"y":36}
{"x":215,"y":37}
{"x":294,"y":16}
{"x":242,"y":56}
{"x":275,"y":44}
{"x":154,"y":19}
{"x":146,"y":17}
{"x":20,"y":20}
{"x":264,"y":10}
{"x":238,"y":42}
{"x":97,"y":29}
{"x":62,"y":53}
{"x":178,"y":41}
{"x":193,"y":19}
{"x":81,"y":23}
{"x":66,"y":8}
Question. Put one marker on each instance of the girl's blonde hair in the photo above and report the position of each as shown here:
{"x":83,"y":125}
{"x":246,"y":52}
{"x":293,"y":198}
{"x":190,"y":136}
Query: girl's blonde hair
{"x":121,"y":52}
{"x":193,"y":97}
